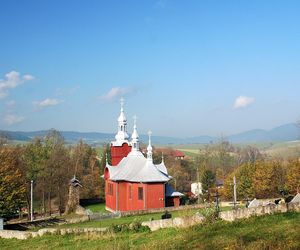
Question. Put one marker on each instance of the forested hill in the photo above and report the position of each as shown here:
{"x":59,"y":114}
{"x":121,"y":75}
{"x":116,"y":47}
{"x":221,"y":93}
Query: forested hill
{"x":288,"y":132}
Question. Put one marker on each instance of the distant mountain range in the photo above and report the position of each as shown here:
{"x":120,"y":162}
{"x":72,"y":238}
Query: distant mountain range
{"x":288,"y":132}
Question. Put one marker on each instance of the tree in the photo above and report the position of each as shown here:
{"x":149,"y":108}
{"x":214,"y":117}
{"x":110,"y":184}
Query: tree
{"x":87,"y":169}
{"x":56,"y":168}
{"x":12,"y":188}
{"x":208,"y":180}
{"x":293,"y":176}
{"x":266,"y":179}
{"x":248,"y":154}
{"x":4,"y":138}
{"x":34,"y":157}
{"x":244,"y":179}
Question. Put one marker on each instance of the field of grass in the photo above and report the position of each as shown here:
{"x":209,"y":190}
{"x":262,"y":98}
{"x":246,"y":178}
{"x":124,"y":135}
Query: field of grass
{"x":97,"y":208}
{"x":278,"y":231}
{"x":190,"y":152}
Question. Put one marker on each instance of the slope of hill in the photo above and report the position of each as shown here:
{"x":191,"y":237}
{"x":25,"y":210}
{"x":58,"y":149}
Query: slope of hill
{"x":288,"y":132}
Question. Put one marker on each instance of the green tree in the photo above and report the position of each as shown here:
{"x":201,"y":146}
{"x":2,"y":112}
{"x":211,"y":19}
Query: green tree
{"x":244,"y":182}
{"x":208,"y":180}
{"x":34,"y":158}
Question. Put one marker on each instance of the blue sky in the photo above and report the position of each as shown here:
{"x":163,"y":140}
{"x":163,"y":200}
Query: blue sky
{"x":185,"y":68}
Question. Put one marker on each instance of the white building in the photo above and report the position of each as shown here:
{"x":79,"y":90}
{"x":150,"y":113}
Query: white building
{"x":196,"y":188}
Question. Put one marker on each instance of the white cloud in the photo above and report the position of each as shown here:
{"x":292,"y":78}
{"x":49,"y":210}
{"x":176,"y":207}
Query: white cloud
{"x":28,"y":77}
{"x":11,"y":81}
{"x":11,"y":119}
{"x":243,"y":101}
{"x":115,"y":93}
{"x":47,"y":102}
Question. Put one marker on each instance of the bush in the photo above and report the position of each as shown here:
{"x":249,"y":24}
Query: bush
{"x":135,"y":226}
{"x":210,"y":215}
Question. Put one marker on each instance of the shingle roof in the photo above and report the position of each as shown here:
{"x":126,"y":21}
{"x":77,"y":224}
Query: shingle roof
{"x":162,"y":168}
{"x":136,"y":168}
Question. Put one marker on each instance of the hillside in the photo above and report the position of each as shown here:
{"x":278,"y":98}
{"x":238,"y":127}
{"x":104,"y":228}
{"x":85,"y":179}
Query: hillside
{"x":284,"y":133}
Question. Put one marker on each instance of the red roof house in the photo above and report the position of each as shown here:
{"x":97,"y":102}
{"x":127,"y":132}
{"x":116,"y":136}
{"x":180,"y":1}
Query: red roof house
{"x":178,"y":155}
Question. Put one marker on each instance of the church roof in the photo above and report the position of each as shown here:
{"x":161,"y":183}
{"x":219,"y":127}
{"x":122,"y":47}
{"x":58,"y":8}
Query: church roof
{"x":136,"y":168}
{"x":162,"y":168}
{"x":171,"y":192}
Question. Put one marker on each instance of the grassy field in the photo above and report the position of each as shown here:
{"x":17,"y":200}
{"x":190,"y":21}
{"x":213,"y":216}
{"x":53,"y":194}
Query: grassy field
{"x":279,"y":231}
{"x":96,"y":208}
{"x":272,"y":149}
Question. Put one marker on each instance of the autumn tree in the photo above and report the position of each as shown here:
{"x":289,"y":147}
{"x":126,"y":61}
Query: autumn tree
{"x":12,"y":188}
{"x":105,"y":156}
{"x":268,"y":178}
{"x":293,"y":176}
{"x":244,"y":182}
{"x":87,"y":169}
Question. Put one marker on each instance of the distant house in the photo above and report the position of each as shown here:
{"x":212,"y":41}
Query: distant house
{"x":196,"y":188}
{"x":178,"y":155}
{"x":220,"y":183}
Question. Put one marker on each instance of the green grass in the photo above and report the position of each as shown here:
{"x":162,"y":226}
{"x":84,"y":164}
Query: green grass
{"x":279,"y":231}
{"x":190,"y":152}
{"x":96,"y":208}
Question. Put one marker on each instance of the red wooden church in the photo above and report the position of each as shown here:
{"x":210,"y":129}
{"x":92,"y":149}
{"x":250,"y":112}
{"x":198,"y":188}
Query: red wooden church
{"x":133,"y":181}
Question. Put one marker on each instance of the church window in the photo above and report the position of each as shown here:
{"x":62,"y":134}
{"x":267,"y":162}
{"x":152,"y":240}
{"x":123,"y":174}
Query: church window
{"x":140,"y":193}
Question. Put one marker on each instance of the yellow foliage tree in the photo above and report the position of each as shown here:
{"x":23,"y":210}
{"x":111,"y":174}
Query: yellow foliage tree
{"x":293,"y":176}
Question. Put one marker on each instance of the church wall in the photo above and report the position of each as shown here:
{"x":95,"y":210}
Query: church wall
{"x":136,"y":203}
{"x":122,"y":203}
{"x":110,"y":198}
{"x":155,"y":195}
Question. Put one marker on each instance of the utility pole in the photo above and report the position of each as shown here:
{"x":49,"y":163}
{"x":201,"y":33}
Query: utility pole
{"x":31,"y":200}
{"x":198,"y":186}
{"x":217,"y":202}
{"x":234,"y":193}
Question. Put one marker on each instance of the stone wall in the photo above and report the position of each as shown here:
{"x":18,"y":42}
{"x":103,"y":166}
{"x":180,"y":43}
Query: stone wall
{"x":176,"y":222}
{"x":23,"y":235}
{"x":260,"y":210}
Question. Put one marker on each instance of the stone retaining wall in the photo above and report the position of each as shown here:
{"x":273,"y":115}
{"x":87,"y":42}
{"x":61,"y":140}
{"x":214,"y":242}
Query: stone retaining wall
{"x":260,"y":210}
{"x":23,"y":235}
{"x":176,"y":222}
